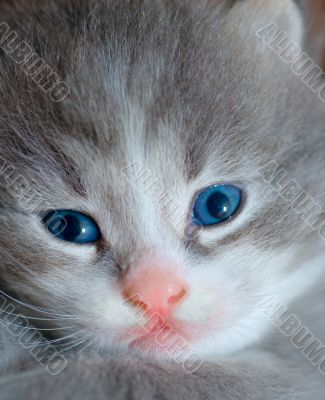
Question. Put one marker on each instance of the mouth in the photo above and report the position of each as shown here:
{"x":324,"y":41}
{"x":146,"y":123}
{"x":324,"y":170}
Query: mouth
{"x":161,"y":341}
{"x":169,"y":337}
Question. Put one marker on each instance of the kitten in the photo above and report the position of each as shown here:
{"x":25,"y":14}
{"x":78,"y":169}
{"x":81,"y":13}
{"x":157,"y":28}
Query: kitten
{"x":169,"y":184}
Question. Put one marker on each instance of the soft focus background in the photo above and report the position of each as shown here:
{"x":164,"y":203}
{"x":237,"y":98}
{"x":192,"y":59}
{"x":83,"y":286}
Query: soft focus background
{"x":317,"y":28}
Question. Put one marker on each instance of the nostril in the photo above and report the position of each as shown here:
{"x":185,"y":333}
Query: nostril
{"x":134,"y":299}
{"x":177,"y":298}
{"x":140,"y":305}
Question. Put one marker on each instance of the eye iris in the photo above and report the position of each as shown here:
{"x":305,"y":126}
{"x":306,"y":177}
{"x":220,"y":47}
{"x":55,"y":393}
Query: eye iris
{"x":218,"y":205}
{"x":72,"y":226}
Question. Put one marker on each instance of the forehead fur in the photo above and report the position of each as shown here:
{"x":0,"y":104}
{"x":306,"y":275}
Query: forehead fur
{"x":143,"y":75}
{"x":182,"y":88}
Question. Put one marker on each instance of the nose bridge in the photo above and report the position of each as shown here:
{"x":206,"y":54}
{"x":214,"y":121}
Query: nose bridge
{"x":142,"y":211}
{"x":134,"y":226}
{"x":156,"y":216}
{"x":139,"y":225}
{"x":141,"y":238}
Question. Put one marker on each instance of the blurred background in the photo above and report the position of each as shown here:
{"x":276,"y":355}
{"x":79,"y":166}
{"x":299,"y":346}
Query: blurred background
{"x":317,"y":29}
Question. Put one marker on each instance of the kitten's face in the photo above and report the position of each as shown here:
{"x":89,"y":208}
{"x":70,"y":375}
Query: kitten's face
{"x":163,"y":105}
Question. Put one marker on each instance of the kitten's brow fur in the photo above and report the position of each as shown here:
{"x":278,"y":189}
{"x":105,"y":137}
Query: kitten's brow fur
{"x":186,"y":90}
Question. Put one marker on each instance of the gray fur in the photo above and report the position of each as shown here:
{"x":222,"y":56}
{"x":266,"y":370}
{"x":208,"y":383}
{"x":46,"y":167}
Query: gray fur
{"x":186,"y":88}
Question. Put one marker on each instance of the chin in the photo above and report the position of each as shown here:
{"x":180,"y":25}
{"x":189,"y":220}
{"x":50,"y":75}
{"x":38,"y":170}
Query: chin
{"x":180,"y":342}
{"x":162,"y":339}
{"x":169,"y":343}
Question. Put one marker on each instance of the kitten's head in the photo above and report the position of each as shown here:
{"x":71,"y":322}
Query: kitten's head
{"x":158,"y":166}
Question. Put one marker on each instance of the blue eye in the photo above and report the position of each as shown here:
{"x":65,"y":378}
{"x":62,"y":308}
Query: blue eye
{"x":72,"y":226}
{"x":216,"y":204}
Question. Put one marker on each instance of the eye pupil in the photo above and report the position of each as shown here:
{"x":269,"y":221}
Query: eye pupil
{"x":72,"y":229}
{"x":56,"y":225}
{"x":218,"y":205}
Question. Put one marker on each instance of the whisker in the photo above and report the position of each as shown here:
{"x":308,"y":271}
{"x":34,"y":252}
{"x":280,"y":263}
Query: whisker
{"x":32,"y":307}
{"x":261,"y":341}
{"x":76,"y":344}
{"x":84,"y":348}
{"x":45,"y":342}
{"x":19,"y":265}
{"x":38,"y":319}
{"x":38,"y":329}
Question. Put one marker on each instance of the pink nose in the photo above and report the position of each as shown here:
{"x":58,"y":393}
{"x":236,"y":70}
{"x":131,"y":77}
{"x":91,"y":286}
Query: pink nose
{"x":155,"y":290}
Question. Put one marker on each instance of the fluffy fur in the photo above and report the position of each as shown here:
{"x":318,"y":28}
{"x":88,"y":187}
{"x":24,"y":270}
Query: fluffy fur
{"x":188,"y":92}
